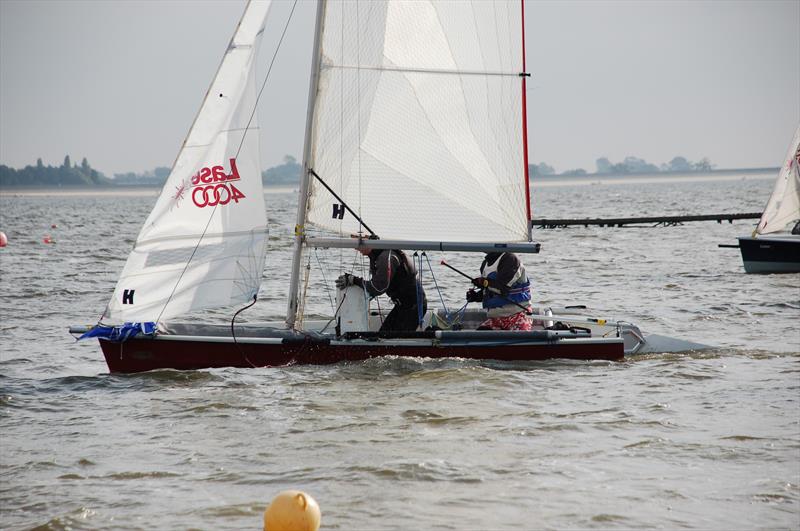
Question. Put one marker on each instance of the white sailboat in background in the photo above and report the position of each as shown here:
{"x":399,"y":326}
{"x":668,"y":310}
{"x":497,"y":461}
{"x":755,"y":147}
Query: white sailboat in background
{"x":415,"y":132}
{"x":774,"y":246}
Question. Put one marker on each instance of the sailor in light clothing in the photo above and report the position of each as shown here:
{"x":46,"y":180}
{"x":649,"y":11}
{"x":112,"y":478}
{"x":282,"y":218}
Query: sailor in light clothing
{"x":504,"y":290}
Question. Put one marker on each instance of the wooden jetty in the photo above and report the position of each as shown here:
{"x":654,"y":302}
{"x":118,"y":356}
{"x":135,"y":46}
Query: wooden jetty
{"x":665,"y":221}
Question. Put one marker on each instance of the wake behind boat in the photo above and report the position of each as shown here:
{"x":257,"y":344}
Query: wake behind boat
{"x":416,"y":132}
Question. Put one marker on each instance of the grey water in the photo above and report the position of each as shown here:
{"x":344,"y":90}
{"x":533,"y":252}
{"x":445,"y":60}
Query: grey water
{"x":698,"y":440}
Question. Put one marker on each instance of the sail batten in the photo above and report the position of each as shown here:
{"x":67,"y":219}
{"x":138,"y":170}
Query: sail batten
{"x":423,"y":70}
{"x":203,"y":245}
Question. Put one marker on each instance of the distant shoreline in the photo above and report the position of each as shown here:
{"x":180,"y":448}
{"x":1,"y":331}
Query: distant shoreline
{"x":659,"y":174}
{"x":539,"y":180}
{"x":650,"y":179}
{"x":144,"y":189}
{"x":119,"y":190}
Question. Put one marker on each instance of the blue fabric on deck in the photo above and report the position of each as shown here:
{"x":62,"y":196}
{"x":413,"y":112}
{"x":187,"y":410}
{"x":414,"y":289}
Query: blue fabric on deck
{"x":120,"y":333}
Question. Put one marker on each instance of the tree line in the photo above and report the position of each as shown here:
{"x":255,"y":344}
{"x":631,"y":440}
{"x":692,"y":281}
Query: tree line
{"x":68,"y":174}
{"x":631,"y":165}
{"x":288,"y":173}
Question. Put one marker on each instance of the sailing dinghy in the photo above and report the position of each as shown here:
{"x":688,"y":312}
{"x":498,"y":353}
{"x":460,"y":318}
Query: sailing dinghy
{"x":774,"y":246}
{"x":415,"y":132}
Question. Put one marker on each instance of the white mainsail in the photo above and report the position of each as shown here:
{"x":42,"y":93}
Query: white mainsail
{"x":783,"y":206}
{"x":417,"y":120}
{"x":203,"y":244}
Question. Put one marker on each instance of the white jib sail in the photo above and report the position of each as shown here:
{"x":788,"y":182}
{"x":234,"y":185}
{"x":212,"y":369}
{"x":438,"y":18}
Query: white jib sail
{"x":783,"y":206}
{"x":417,"y":123}
{"x":203,"y":245}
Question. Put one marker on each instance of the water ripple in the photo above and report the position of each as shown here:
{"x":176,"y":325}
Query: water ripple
{"x":705,"y":439}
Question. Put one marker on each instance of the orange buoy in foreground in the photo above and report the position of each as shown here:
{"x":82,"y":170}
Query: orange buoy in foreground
{"x":3,"y":239}
{"x":292,"y":510}
{"x":48,"y":239}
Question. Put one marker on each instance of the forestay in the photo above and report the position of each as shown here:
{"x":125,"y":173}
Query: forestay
{"x":417,"y":121}
{"x":783,"y":206}
{"x":203,"y":244}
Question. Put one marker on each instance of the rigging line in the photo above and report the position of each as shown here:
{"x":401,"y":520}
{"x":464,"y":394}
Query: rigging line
{"x":335,"y":313}
{"x":345,"y":205}
{"x":214,"y":211}
{"x":457,"y":315}
{"x":324,"y":279}
{"x":266,"y":78}
{"x":418,"y":286}
{"x":380,"y":313}
{"x":358,"y":262}
{"x":420,"y":295}
{"x":233,"y":331}
{"x":459,"y":318}
{"x":186,"y":267}
{"x":427,"y":70}
{"x":304,"y":297}
{"x":436,"y":284}
{"x":322,"y":330}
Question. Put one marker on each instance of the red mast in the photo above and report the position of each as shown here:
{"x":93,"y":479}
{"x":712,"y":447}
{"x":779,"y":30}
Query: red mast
{"x":525,"y":126}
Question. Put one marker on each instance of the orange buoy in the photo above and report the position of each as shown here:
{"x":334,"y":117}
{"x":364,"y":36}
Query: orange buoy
{"x":292,"y":510}
{"x":3,"y":239}
{"x":48,"y":239}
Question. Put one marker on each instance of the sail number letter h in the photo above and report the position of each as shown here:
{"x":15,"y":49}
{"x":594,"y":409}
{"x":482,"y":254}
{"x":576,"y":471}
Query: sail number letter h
{"x":338,"y":211}
{"x":127,"y":296}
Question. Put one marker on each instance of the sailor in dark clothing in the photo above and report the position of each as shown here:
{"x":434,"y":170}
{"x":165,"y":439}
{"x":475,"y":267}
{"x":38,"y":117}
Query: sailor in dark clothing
{"x":391,"y":272}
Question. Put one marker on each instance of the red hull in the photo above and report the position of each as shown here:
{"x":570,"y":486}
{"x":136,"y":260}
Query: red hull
{"x":137,"y":355}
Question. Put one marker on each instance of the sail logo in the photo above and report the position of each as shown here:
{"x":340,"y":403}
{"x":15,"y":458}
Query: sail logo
{"x":212,"y":186}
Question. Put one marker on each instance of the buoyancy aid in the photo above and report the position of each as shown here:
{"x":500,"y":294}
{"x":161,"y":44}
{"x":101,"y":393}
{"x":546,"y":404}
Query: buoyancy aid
{"x":402,"y":286}
{"x":519,"y":287}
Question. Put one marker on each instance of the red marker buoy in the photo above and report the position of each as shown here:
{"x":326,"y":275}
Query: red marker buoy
{"x":3,"y":239}
{"x":53,"y":226}
{"x":48,"y":239}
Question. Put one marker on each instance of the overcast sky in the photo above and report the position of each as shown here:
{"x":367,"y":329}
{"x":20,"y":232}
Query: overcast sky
{"x":119,"y":82}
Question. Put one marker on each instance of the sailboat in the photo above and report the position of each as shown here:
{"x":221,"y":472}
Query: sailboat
{"x":774,"y":246}
{"x":415,"y":132}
